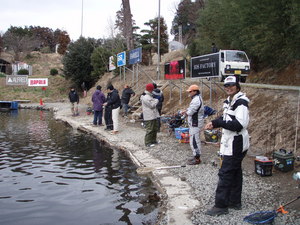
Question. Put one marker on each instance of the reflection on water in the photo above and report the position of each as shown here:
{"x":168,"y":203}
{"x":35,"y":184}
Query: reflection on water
{"x":51,"y":174}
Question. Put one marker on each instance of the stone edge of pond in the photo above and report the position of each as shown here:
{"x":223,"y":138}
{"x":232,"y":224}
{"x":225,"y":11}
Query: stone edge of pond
{"x":178,"y":203}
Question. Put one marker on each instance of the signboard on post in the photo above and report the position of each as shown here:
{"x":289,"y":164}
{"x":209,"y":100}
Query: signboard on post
{"x":135,"y":56}
{"x":17,"y":80}
{"x":111,"y":63}
{"x":121,"y":59}
{"x":38,"y":82}
{"x":205,"y":66}
{"x":175,"y":70}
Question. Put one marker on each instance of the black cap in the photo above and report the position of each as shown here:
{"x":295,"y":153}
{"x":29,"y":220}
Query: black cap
{"x":110,"y":87}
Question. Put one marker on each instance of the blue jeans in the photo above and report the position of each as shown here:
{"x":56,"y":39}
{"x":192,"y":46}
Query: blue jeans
{"x":125,"y":108}
{"x":97,"y":117}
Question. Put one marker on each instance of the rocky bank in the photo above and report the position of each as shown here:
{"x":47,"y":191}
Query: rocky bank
{"x":188,"y":192}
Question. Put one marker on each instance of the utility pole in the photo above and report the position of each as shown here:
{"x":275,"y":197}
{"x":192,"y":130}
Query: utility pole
{"x":81,"y":17}
{"x":158,"y":42}
{"x":180,"y":33}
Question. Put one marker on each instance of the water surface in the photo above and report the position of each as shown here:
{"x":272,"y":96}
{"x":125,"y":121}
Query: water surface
{"x":52,"y":174}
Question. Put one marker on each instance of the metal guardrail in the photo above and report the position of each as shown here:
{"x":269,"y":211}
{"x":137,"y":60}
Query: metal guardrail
{"x":271,"y":86}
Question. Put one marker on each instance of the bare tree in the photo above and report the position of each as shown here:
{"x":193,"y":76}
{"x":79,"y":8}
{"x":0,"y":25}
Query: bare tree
{"x":125,"y":23}
{"x":111,"y":28}
{"x":19,"y":44}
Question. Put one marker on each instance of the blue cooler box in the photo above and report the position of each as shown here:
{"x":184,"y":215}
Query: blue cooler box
{"x":180,"y":130}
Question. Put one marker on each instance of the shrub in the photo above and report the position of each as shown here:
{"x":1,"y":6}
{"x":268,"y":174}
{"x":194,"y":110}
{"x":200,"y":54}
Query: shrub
{"x":23,"y":72}
{"x":53,"y":71}
{"x":45,"y":50}
{"x":2,"y":74}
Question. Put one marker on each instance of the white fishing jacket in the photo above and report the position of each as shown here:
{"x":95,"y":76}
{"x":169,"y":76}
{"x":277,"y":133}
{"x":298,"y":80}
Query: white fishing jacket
{"x":235,"y":120}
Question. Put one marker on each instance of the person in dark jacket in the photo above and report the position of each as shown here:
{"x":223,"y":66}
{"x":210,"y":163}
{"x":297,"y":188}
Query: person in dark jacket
{"x":98,"y":99}
{"x":126,"y":95}
{"x":74,"y":100}
{"x":214,"y":48}
{"x":108,"y":114}
{"x":158,"y":94}
{"x":114,"y":102}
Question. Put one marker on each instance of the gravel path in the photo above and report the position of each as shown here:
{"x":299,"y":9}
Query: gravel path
{"x":259,"y":193}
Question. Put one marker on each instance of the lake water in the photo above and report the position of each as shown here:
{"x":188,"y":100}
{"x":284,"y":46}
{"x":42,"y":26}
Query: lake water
{"x":52,"y":174}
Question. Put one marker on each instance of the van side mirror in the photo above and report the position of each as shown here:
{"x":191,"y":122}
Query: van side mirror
{"x":222,"y":56}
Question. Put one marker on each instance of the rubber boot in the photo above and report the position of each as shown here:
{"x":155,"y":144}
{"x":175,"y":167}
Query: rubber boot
{"x":195,"y":161}
{"x":214,"y":211}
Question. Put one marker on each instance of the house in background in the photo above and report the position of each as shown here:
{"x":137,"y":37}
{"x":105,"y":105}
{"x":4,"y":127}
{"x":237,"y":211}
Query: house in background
{"x":5,"y":67}
{"x":21,"y":65}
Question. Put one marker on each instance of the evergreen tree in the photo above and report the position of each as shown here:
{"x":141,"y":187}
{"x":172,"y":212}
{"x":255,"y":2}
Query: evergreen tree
{"x":149,"y":38}
{"x":267,"y":30}
{"x":185,"y":17}
{"x":77,"y":62}
{"x":99,"y":60}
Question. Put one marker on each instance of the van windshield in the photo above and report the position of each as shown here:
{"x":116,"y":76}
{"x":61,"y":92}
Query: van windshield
{"x":235,"y":56}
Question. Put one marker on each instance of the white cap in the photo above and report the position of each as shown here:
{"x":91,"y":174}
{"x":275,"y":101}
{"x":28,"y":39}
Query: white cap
{"x":230,"y":80}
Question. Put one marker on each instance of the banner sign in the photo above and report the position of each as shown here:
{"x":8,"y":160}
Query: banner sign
{"x":37,"y":82}
{"x":111,"y":63}
{"x":17,"y":80}
{"x":135,"y":56}
{"x":205,"y":66}
{"x":175,"y":70}
{"x":121,"y":59}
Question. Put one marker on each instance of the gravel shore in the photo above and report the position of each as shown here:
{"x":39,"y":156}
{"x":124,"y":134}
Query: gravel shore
{"x":259,"y":193}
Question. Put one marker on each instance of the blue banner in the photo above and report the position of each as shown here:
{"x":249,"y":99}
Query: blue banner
{"x":135,"y":56}
{"x":121,"y":59}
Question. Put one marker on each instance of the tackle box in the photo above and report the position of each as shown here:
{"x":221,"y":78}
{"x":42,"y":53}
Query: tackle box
{"x":283,"y":160}
{"x":180,"y":130}
{"x":263,"y":166}
{"x":185,"y":137}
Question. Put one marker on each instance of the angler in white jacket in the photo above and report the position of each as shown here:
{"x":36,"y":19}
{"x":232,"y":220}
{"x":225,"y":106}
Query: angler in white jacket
{"x":234,"y":146}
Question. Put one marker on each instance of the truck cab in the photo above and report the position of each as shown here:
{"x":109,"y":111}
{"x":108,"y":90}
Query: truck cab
{"x":234,"y":62}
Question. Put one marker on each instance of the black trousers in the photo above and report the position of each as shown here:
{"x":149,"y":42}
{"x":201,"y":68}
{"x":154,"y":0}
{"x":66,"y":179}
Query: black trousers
{"x":229,"y":189}
{"x":108,"y":118}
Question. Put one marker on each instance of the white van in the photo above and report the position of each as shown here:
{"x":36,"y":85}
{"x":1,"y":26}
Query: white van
{"x":221,"y":64}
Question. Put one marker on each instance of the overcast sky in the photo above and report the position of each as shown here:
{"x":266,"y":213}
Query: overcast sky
{"x":98,"y":15}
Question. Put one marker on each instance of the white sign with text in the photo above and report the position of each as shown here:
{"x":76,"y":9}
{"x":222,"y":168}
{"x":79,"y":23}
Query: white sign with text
{"x":38,"y":82}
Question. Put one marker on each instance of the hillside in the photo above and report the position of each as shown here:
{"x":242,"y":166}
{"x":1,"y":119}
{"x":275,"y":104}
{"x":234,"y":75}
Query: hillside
{"x":273,"y":112}
{"x":41,"y":66}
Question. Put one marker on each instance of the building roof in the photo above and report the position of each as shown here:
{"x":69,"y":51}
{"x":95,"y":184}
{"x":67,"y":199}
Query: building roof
{"x":2,"y":61}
